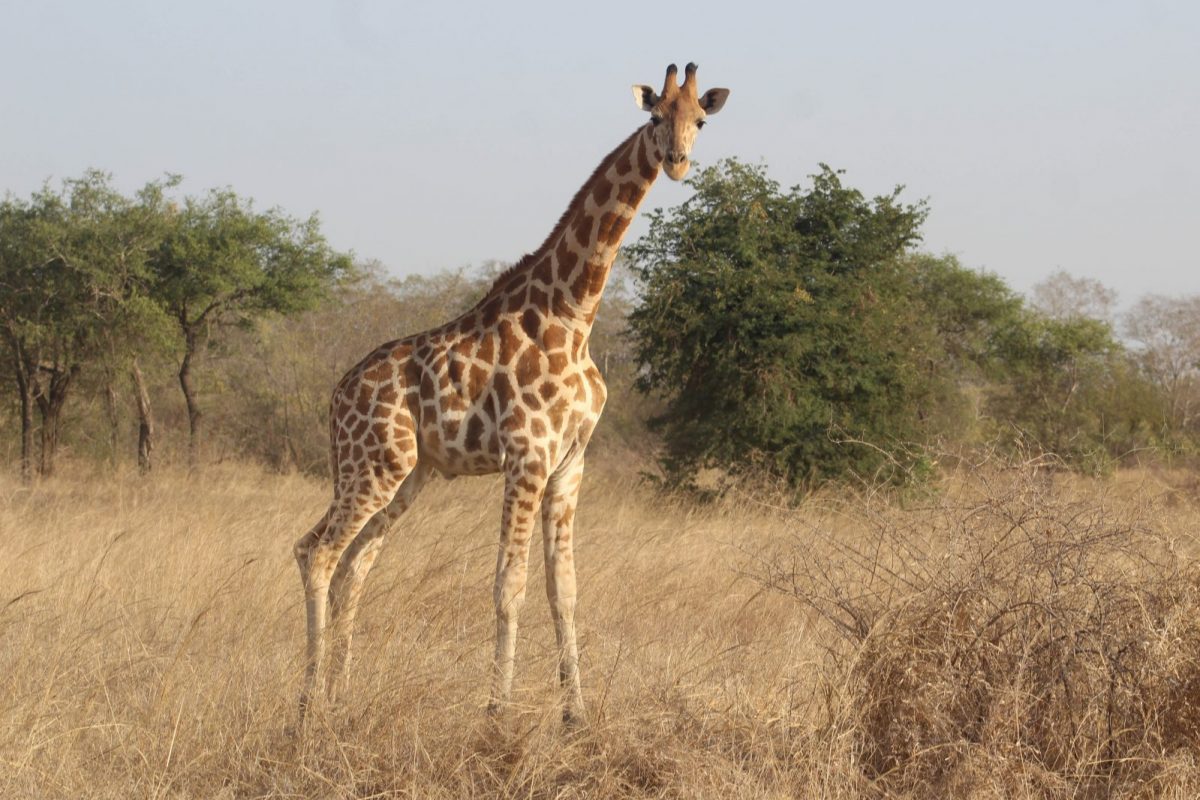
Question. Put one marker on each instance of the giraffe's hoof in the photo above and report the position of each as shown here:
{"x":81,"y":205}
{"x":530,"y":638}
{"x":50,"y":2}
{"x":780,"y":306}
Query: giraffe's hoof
{"x":573,"y":719}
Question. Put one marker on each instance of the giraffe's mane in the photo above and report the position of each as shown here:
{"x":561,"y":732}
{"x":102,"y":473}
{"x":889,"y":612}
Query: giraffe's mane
{"x":577,"y":202}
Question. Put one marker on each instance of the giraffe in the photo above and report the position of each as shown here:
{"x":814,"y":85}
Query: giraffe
{"x":507,"y":387}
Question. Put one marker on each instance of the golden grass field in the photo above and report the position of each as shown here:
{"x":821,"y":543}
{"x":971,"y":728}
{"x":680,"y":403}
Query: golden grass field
{"x":1009,"y":633}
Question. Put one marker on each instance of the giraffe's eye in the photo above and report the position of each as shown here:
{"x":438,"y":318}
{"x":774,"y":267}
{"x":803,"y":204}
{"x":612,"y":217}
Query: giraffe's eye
{"x":699,"y":123}
{"x":655,"y":119}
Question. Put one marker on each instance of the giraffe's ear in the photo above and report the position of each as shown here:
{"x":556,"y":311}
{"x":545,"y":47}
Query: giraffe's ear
{"x":645,"y":97}
{"x":713,"y":100}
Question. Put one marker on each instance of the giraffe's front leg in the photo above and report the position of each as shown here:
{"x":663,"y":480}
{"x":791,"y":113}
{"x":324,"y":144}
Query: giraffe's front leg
{"x":558,"y":523}
{"x":524,"y":484}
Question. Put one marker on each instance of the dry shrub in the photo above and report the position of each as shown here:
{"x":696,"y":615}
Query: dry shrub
{"x":1006,"y":638}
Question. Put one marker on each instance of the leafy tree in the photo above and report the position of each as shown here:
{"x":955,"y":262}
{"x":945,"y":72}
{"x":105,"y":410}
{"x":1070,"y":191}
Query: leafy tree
{"x":110,"y":240}
{"x":1052,"y":378}
{"x":965,"y":310}
{"x":1063,"y":382}
{"x":74,"y":292}
{"x":31,"y":300}
{"x":222,"y":263}
{"x":781,"y":328}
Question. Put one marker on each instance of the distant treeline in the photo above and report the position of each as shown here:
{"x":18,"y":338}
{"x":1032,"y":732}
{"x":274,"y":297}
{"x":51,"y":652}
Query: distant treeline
{"x":796,"y":333}
{"x":95,"y":284}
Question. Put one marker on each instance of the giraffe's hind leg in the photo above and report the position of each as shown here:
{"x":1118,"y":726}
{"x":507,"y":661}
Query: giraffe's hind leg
{"x":358,"y":498}
{"x":346,"y":588}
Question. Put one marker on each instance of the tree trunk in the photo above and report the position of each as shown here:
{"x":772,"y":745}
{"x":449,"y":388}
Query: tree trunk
{"x":25,"y":389}
{"x":25,"y":373}
{"x":145,"y":419}
{"x":114,"y":416}
{"x":189,"y":396}
{"x":49,"y":439}
{"x":50,"y":402}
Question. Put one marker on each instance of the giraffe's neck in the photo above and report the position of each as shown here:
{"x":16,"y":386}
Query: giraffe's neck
{"x":565,"y":277}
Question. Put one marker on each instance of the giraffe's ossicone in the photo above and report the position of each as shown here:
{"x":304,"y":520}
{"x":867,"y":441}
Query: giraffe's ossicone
{"x":507,"y":387}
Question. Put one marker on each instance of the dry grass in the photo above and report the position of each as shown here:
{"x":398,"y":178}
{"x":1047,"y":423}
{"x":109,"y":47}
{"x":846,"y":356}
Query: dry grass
{"x":1011,"y":635}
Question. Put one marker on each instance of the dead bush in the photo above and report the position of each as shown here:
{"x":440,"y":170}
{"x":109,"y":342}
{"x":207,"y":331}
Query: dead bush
{"x":1004,"y":638}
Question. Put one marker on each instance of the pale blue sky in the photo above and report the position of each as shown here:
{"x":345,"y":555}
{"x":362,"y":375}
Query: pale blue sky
{"x":1048,"y":135}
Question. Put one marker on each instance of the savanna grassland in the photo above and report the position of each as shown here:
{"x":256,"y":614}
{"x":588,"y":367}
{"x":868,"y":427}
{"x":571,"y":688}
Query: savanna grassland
{"x":1010,"y":631}
{"x":989,"y":625}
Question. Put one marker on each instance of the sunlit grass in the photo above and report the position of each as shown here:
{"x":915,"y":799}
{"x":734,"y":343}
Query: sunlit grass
{"x":151,"y":633}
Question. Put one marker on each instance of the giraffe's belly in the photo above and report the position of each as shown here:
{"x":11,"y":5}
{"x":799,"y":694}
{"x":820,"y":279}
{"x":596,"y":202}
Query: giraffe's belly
{"x":470,"y":428}
{"x":461,"y":444}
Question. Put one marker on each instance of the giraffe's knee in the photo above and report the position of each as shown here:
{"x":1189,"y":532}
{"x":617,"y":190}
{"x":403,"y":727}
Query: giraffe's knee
{"x":300,"y":551}
{"x":564,"y":607}
{"x":322,"y":563}
{"x":304,"y":545}
{"x":508,"y":594}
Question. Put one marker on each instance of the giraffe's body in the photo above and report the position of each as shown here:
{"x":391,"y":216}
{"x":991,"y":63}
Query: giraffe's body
{"x":507,"y":387}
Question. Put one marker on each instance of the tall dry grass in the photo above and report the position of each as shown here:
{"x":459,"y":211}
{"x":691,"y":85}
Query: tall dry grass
{"x":955,"y":644}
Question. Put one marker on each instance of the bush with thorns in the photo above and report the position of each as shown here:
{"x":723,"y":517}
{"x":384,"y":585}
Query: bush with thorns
{"x":1006,"y":638}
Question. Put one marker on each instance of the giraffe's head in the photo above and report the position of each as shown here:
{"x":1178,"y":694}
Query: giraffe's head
{"x":676,"y":115}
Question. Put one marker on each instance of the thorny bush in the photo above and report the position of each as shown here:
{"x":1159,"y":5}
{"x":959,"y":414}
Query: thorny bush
{"x":1004,"y":637}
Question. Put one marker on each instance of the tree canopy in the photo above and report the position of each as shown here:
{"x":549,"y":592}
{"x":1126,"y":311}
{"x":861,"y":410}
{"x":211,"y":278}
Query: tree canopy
{"x":220,"y":263}
{"x":797,"y":331}
{"x":91,"y":278}
{"x":779,"y":324}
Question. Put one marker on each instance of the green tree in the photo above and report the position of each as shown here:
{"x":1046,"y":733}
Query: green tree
{"x":1052,"y":377}
{"x":781,"y":328}
{"x":109,"y":241}
{"x":1054,"y":384}
{"x":74,"y":292}
{"x":966,"y":310}
{"x":32,"y":299}
{"x":222,"y":263}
